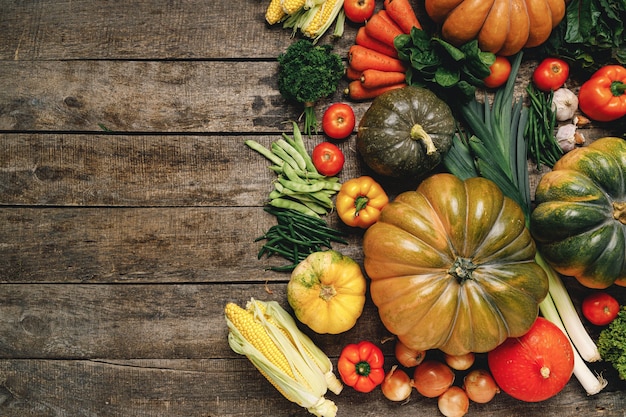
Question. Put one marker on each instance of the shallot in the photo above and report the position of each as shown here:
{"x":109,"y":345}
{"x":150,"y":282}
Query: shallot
{"x":397,"y":386}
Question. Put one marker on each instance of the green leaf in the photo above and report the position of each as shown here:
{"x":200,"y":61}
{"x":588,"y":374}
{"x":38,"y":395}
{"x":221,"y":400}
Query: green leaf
{"x":447,"y":77}
{"x":454,"y":52}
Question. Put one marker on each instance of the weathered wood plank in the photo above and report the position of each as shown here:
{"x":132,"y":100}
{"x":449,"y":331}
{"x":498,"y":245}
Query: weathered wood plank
{"x":128,"y":321}
{"x":85,"y":29}
{"x":119,"y":170}
{"x":225,"y":388}
{"x":194,"y":96}
{"x":138,"y":245}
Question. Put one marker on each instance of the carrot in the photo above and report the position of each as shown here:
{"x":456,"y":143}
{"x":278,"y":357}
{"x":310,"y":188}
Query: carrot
{"x":353,"y":74}
{"x":403,"y":14}
{"x":379,"y":28}
{"x":362,"y":38}
{"x":356,"y":91}
{"x":385,"y":15}
{"x":362,"y":58}
{"x":372,"y":78}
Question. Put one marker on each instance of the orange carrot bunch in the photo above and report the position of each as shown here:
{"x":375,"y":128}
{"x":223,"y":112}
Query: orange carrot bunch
{"x":373,"y":64}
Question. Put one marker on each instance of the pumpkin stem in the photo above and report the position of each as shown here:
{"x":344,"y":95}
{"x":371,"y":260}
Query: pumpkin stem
{"x":619,"y":211}
{"x":462,"y":269}
{"x":545,"y":372}
{"x":418,"y":133}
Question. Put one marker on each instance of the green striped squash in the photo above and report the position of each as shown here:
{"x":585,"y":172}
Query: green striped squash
{"x":579,"y":223}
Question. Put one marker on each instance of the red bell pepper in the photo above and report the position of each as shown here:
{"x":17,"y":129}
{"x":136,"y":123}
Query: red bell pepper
{"x":603,"y":96}
{"x":361,"y":366}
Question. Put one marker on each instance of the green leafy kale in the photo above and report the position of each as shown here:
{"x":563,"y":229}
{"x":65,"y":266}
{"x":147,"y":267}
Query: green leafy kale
{"x":591,"y":34}
{"x":307,"y":73}
{"x":450,"y":72}
{"x":612,"y":343}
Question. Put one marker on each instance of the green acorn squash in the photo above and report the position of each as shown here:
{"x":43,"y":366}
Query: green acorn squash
{"x":405,"y":133}
{"x":579,"y":223}
{"x":452,"y":266}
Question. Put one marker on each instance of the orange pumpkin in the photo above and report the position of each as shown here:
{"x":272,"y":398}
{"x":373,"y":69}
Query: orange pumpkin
{"x":503,"y":27}
{"x":452,"y":266}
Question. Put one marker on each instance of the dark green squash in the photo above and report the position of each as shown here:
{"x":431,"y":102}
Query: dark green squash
{"x":579,"y":223}
{"x":405,"y":133}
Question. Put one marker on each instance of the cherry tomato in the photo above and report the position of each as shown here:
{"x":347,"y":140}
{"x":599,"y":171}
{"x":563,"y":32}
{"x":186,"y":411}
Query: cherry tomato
{"x":551,"y":74}
{"x":328,"y":158}
{"x":600,"y":308}
{"x":500,"y":71}
{"x":358,"y":11}
{"x":338,"y":121}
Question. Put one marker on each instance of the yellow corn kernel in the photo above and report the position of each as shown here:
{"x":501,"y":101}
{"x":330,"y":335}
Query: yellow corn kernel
{"x":274,"y":12}
{"x":292,"y":6}
{"x":254,"y":332}
{"x":323,"y":18}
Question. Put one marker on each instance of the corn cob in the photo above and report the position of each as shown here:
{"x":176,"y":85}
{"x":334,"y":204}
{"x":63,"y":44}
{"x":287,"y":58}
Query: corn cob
{"x":292,"y":6}
{"x":324,"y":16}
{"x":274,"y":12}
{"x":269,"y":337}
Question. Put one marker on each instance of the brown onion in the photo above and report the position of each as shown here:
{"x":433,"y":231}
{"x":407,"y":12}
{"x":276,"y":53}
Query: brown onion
{"x":397,"y":385}
{"x":453,"y":403}
{"x":432,"y":378}
{"x":480,"y":386}
{"x":407,"y":356}
{"x":460,"y":362}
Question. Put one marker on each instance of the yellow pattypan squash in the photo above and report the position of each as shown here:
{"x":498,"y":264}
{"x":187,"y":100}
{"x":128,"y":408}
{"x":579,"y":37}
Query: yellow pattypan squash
{"x":327,"y":292}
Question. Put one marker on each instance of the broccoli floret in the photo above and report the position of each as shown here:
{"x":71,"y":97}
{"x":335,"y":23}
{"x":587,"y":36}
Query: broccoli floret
{"x":612,"y":343}
{"x":307,"y":73}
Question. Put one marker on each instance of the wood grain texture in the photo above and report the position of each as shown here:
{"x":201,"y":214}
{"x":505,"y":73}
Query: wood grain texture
{"x":143,"y":170}
{"x":100,"y":245}
{"x":138,"y":30}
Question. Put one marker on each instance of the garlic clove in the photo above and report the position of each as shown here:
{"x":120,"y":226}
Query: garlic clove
{"x":580,"y":121}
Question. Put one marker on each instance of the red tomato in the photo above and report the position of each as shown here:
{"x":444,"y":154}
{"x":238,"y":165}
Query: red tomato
{"x":328,"y":158}
{"x":338,"y":121}
{"x":551,"y":74}
{"x":358,"y":11}
{"x":500,"y":71}
{"x":535,"y":366}
{"x":600,"y":308}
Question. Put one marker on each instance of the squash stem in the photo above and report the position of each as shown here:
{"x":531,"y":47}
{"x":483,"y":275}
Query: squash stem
{"x":619,"y":211}
{"x":418,"y":133}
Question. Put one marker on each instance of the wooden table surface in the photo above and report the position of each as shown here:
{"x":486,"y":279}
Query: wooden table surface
{"x":129,"y":206}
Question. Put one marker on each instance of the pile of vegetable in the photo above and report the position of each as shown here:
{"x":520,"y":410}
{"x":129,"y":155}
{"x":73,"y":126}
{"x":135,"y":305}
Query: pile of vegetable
{"x":466,"y":265}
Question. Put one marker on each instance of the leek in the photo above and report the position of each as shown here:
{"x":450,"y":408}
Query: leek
{"x":496,"y":149}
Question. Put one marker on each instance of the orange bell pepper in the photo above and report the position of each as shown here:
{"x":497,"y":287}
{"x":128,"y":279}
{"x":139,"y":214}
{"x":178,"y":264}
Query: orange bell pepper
{"x":360,"y":366}
{"x":360,"y":201}
{"x":603,"y":96}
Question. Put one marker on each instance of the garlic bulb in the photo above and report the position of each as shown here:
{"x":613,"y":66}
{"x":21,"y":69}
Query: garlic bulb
{"x":564,"y":104}
{"x":568,"y":137}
